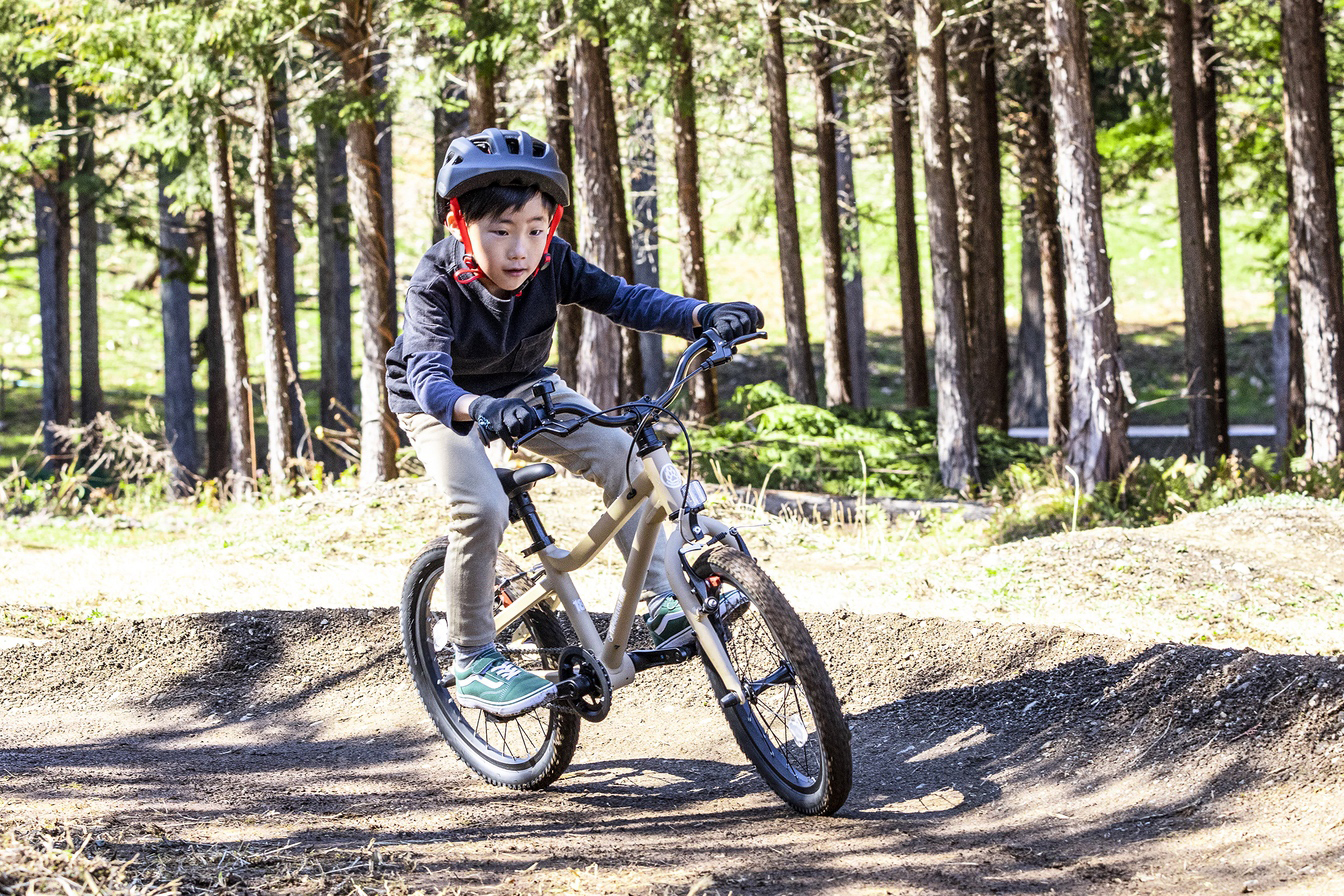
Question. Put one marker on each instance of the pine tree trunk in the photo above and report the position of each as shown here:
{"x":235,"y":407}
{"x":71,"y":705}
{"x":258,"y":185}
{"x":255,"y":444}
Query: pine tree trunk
{"x":481,"y":97}
{"x":1313,"y":226}
{"x":56,"y":400}
{"x":216,"y":390}
{"x":916,"y":364}
{"x":1038,"y":179}
{"x":604,"y":230}
{"x":179,"y":394}
{"x":378,"y":429}
{"x":242,"y":440}
{"x":1206,"y":125}
{"x":839,"y":388}
{"x":90,"y":371}
{"x":279,"y":449}
{"x":1202,"y":386}
{"x":644,"y":210}
{"x":631,"y":382}
{"x":336,"y":383}
{"x":1098,"y":446}
{"x":560,"y":134}
{"x":985,"y":284}
{"x":958,"y":458}
{"x":378,"y":439}
{"x":798,"y":347}
{"x":383,"y":146}
{"x":691,"y":230}
{"x":450,"y":122}
{"x":286,"y":247}
{"x":1290,"y":410}
{"x":1027,"y":405}
{"x":64,"y":236}
{"x":851,"y":266}
{"x":480,"y":75}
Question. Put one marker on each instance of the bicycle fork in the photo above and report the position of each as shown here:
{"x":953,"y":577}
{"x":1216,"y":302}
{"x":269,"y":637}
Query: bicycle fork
{"x":692,"y":604}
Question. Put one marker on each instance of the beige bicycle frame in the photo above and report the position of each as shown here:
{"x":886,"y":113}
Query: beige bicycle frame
{"x":658,"y":491}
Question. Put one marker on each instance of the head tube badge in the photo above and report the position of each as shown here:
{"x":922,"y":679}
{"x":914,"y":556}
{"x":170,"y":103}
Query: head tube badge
{"x":671,"y":476}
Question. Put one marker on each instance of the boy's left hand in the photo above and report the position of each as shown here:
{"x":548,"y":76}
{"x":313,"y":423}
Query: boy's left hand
{"x":508,"y":418}
{"x":731,"y":320}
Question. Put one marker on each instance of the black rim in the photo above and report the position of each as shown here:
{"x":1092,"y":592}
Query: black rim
{"x":777,"y":713}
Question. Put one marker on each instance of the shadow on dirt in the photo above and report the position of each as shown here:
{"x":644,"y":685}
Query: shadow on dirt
{"x":1053,"y":759}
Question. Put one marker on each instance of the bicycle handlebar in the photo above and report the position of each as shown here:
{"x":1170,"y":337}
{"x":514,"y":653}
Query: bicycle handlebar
{"x":720,"y":351}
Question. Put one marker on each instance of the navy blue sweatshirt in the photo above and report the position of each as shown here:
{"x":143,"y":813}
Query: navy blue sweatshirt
{"x":459,"y":338}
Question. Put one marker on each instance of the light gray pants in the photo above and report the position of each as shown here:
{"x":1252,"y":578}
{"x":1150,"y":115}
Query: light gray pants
{"x":478,"y":511}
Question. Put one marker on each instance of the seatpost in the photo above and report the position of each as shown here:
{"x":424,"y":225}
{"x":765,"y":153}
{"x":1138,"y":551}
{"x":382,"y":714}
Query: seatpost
{"x":522,"y":508}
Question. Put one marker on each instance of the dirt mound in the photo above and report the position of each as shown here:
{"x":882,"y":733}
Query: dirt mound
{"x":1007,"y":758}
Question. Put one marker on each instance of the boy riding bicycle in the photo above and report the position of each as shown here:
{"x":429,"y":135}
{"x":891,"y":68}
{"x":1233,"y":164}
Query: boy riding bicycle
{"x":479,"y":325}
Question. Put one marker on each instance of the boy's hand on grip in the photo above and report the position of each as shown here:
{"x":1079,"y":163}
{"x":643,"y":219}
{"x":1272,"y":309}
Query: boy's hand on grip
{"x":731,"y":320}
{"x":508,"y":418}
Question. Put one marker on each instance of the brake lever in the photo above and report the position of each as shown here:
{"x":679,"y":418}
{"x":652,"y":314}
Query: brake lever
{"x":720,"y":349}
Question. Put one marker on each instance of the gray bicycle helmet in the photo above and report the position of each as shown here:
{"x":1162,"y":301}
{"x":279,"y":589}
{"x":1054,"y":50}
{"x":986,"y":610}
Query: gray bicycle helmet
{"x":495,"y":157}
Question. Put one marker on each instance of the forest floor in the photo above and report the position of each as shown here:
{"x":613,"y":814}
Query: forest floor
{"x":219,"y":701}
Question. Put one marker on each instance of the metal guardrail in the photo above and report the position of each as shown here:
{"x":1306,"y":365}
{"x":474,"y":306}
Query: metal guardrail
{"x":1172,"y":431}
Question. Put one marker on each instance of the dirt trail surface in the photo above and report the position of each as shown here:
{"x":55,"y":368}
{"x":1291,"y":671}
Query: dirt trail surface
{"x":1025,"y":718}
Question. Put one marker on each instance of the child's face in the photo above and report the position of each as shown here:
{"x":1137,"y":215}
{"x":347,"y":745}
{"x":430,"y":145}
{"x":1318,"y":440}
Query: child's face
{"x":509,"y":247}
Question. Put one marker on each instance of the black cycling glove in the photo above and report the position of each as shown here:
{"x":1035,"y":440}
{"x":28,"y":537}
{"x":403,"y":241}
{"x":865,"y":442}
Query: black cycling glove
{"x":731,"y":320}
{"x":508,"y":418}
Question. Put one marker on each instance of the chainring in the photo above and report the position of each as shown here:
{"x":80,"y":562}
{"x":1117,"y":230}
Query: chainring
{"x":591,"y":685}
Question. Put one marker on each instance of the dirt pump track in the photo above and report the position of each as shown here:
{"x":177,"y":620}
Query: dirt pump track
{"x":263,"y":751}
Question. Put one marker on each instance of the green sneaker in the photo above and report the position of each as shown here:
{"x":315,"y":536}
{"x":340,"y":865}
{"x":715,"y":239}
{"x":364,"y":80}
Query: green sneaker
{"x":498,"y":686}
{"x":667,"y":623}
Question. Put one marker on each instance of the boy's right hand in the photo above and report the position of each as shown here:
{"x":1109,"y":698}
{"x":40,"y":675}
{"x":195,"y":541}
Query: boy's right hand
{"x":509,"y":418}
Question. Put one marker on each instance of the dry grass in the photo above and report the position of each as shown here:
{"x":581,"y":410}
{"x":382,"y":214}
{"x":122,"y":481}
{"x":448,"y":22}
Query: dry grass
{"x":67,"y":860}
{"x":59,"y":861}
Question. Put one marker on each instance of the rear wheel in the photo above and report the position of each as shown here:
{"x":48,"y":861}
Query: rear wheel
{"x":791,"y":727}
{"x":526,"y":752}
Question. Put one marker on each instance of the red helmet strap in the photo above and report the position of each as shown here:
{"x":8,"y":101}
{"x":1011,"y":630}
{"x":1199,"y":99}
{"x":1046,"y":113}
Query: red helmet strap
{"x":470,"y":271}
{"x":555,"y":223}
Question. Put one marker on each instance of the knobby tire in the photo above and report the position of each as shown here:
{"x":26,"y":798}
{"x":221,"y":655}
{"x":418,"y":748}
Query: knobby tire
{"x":793,"y":730}
{"x":526,"y":752}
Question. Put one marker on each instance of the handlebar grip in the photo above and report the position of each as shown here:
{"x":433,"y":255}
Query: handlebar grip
{"x":485,"y":433}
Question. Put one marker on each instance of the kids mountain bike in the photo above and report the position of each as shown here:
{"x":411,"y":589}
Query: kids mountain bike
{"x":761,"y":662}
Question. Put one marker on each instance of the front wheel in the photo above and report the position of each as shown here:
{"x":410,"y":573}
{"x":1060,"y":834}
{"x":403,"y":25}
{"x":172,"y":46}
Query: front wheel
{"x":525,"y":752}
{"x":791,"y":727}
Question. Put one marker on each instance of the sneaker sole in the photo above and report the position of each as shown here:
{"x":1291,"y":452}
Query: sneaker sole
{"x":508,"y":710}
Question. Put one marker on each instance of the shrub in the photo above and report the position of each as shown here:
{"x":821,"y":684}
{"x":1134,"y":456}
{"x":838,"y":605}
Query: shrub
{"x":840,"y":450}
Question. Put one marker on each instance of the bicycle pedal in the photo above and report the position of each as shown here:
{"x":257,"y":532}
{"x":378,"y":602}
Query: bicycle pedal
{"x":667,"y":656}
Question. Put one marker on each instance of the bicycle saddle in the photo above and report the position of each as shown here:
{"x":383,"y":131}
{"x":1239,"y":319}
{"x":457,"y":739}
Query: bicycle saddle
{"x":515,"y":481}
